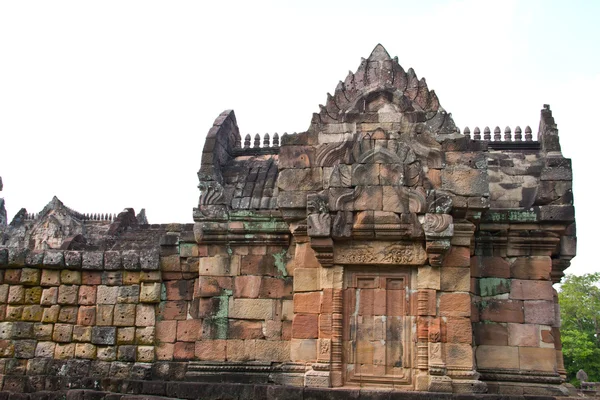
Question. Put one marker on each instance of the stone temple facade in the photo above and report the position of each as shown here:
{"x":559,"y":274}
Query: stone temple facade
{"x":380,"y":249}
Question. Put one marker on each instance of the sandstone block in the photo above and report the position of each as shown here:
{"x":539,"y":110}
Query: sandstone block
{"x":183,"y":351}
{"x":171,"y":263}
{"x":539,"y":312}
{"x":16,"y":294}
{"x":92,"y":260}
{"x":247,"y":286}
{"x":502,"y":311}
{"x":82,"y":333}
{"x":63,"y":333}
{"x":124,"y":314}
{"x":303,"y":350}
{"x":67,"y":314}
{"x":87,"y":295}
{"x":149,"y":260}
{"x":455,"y":279}
{"x":211,"y":350}
{"x":458,"y":256}
{"x":175,"y":310}
{"x":145,"y":353}
{"x":523,"y":335}
{"x":126,"y":353}
{"x":64,"y":351}
{"x":49,"y":296}
{"x":69,"y":277}
{"x":130,"y":260}
{"x":33,"y":295}
{"x":306,"y":279}
{"x":488,"y":266}
{"x":272,"y":350}
{"x":166,"y":331}
{"x":240,"y":350}
{"x":213,"y":285}
{"x":150,"y":292}
{"x":91,"y":277}
{"x":531,"y":290}
{"x":145,"y":335}
{"x":128,"y":294}
{"x":537,"y":268}
{"x":251,"y":308}
{"x":53,"y":258}
{"x":106,"y":353}
{"x":104,"y":335}
{"x":112,"y":278}
{"x":30,"y":276}
{"x":45,"y":349}
{"x":459,"y":330}
{"x":300,"y":179}
{"x":131,"y":277}
{"x":42,"y":331}
{"x":107,"y":294}
{"x":490,"y":333}
{"x":307,"y":303}
{"x":465,"y":181}
{"x":164,"y":351}
{"x":368,"y":198}
{"x":68,"y":294}
{"x":6,"y":329}
{"x":455,"y":305}
{"x":112,"y":260}
{"x":86,"y":315}
{"x":244,"y":329}
{"x":144,"y":315}
{"x":215,"y":266}
{"x":428,"y":278}
{"x":537,"y":359}
{"x":305,"y":326}
{"x":104,"y":314}
{"x":491,"y":357}
{"x":189,"y":330}
{"x":72,"y":258}
{"x":3,"y":293}
{"x":50,"y":314}
{"x":85,"y":351}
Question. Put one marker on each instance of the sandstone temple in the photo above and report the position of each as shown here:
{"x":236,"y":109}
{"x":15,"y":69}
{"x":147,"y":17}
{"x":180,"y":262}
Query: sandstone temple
{"x":381,"y":251}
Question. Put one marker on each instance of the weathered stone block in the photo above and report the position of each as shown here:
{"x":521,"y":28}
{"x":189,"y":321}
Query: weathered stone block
{"x":112,"y":260}
{"x":455,"y":304}
{"x":63,"y":333}
{"x":68,"y":294}
{"x":368,"y":198}
{"x":125,"y":335}
{"x":85,"y":351}
{"x":104,"y":335}
{"x":45,"y":349}
{"x":52,"y":258}
{"x":531,"y":290}
{"x":305,"y":326}
{"x":211,"y":350}
{"x":536,"y":268}
{"x":303,"y":350}
{"x":537,"y":359}
{"x":465,"y":181}
{"x":217,"y":265}
{"x":128,"y":294}
{"x":86,"y":315}
{"x":482,"y":266}
{"x":497,"y":310}
{"x":306,"y":279}
{"x":107,"y":294}
{"x":307,"y":303}
{"x":492,"y":357}
{"x":490,"y":333}
{"x":144,"y":315}
{"x":539,"y":312}
{"x":149,"y":260}
{"x":82,"y":333}
{"x":92,"y":260}
{"x":50,"y":277}
{"x":428,"y":278}
{"x":300,"y":179}
{"x":251,"y":308}
{"x":67,"y":314}
{"x":523,"y":335}
{"x":124,"y":314}
{"x":30,"y":276}
{"x":130,"y":260}
{"x":150,"y":292}
{"x":455,"y":279}
{"x":72,"y":258}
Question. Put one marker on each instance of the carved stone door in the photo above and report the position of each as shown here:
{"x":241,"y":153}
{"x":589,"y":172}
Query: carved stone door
{"x":377,"y":347}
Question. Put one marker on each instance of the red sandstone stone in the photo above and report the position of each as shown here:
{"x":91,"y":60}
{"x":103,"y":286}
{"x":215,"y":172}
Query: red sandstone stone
{"x":325,"y":326}
{"x":164,"y":351}
{"x":497,"y":267}
{"x":308,"y":303}
{"x":489,"y":333}
{"x":247,"y":286}
{"x":87,"y":295}
{"x":166,"y":331}
{"x":458,"y":256}
{"x":245,"y":329}
{"x":502,"y":311}
{"x":91,"y":278}
{"x":173,"y":310}
{"x":305,"y":326}
{"x":273,"y":288}
{"x":458,"y":330}
{"x":540,"y":312}
{"x":179,"y":290}
{"x":183,"y":351}
{"x":455,"y":305}
{"x":189,"y":330}
{"x":531,"y":290}
{"x":211,"y":350}
{"x":214,"y":285}
{"x":523,"y":335}
{"x":532,"y":268}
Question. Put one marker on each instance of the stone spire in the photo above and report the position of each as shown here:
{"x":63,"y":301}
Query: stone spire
{"x":2,"y":210}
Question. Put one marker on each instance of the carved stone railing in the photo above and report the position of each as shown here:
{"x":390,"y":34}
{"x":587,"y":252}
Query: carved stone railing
{"x":509,"y":141}
{"x":251,"y":147}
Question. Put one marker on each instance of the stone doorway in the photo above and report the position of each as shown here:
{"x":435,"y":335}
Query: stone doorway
{"x":377,"y":345}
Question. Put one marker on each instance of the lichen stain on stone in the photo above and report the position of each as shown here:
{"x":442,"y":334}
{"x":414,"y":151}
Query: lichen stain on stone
{"x":493,"y":286}
{"x":280,"y":262}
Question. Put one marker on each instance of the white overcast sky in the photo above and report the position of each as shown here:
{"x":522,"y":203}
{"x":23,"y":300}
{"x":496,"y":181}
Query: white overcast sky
{"x":106,"y":104}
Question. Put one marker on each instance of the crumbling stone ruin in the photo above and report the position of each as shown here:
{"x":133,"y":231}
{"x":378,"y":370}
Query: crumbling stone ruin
{"x":380,"y":249}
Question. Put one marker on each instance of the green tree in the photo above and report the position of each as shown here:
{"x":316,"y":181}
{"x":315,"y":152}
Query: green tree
{"x":579,"y":299}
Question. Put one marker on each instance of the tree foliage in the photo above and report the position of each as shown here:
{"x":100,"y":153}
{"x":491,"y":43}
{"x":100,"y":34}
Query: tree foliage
{"x":579,"y":299}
